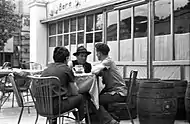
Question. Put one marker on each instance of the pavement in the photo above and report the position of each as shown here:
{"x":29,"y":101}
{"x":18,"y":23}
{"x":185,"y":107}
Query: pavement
{"x":10,"y":115}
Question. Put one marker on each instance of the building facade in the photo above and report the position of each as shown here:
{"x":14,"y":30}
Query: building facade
{"x":151,"y":36}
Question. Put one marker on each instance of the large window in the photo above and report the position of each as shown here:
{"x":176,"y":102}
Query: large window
{"x":72,"y":32}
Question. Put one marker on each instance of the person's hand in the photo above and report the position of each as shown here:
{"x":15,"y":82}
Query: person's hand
{"x":22,"y":74}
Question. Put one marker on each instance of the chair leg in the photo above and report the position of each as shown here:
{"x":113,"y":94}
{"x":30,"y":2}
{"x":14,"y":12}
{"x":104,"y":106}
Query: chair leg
{"x":6,"y":97}
{"x":27,"y":101}
{"x":13,"y":100}
{"x":129,"y":113}
{"x":62,"y":120}
{"x":87,"y":112}
{"x":36,"y":118}
{"x":47,"y":120}
{"x":20,"y":115}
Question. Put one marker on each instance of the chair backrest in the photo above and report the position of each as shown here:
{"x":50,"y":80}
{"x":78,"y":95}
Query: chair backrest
{"x":16,"y":90}
{"x":132,"y":82}
{"x":32,"y":66}
{"x":6,"y":65}
{"x":44,"y":90}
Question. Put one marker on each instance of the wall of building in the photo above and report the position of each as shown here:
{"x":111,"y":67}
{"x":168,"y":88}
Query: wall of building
{"x":125,"y":30}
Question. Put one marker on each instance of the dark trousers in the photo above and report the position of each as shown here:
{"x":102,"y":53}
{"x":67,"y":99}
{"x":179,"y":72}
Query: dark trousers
{"x":69,"y":104}
{"x":105,"y":99}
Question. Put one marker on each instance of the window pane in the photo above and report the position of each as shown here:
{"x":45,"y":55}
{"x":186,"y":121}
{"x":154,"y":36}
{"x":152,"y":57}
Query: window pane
{"x":52,"y":41}
{"x":99,"y":22}
{"x":89,"y":38}
{"x":182,"y":29}
{"x":60,"y":27}
{"x":181,"y":16}
{"x":80,"y":38}
{"x":98,"y":37}
{"x":140,"y":30}
{"x":140,"y":21}
{"x":81,"y":23}
{"x":73,"y":24}
{"x":66,"y":40}
{"x":125,"y":24}
{"x":112,"y":26}
{"x":59,"y":41}
{"x":162,"y":17}
{"x":52,"y":29}
{"x":73,"y":38}
{"x":163,"y":42}
{"x":66,"y":26}
{"x":89,"y":23}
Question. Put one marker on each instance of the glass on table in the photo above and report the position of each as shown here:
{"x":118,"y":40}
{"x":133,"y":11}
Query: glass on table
{"x":78,"y":69}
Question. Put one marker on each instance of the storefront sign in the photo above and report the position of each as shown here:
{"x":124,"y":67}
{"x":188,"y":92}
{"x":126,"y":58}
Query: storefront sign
{"x":65,"y":6}
{"x":60,"y":6}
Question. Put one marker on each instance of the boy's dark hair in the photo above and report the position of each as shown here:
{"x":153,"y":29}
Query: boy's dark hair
{"x":103,"y":48}
{"x":60,"y":54}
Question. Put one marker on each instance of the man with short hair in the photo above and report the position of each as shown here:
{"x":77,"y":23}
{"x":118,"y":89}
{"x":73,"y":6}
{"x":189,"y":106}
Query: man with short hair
{"x":114,"y":90}
{"x":70,"y":96}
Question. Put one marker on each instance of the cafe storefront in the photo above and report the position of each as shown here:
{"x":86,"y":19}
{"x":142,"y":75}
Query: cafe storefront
{"x":136,"y":31}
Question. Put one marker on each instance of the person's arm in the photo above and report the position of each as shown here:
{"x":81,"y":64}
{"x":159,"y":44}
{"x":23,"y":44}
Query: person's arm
{"x":70,"y":64}
{"x":104,"y":65}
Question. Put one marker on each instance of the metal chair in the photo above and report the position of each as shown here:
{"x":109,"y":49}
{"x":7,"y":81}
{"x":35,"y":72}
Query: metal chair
{"x":44,"y":95}
{"x":5,"y":85}
{"x":32,"y":66}
{"x":19,"y":97}
{"x":132,"y":81}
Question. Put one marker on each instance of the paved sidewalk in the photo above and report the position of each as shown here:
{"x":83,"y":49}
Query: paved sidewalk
{"x":9,"y":115}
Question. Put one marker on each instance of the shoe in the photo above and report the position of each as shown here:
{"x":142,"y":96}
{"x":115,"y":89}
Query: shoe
{"x":114,"y":122}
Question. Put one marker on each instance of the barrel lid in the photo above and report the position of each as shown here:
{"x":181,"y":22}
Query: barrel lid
{"x":156,"y":84}
{"x":176,"y":82}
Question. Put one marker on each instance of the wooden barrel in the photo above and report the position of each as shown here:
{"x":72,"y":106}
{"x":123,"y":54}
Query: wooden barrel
{"x":141,"y":80}
{"x":156,"y":103}
{"x":187,"y":102}
{"x":180,"y":89}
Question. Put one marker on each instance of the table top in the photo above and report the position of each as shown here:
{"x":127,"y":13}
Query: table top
{"x":82,"y":74}
{"x":7,"y":71}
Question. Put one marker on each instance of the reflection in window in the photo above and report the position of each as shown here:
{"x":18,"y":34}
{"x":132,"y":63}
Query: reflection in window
{"x":52,"y":42}
{"x":162,"y":17}
{"x":73,"y":24}
{"x":98,"y":37}
{"x":80,"y":38}
{"x":125,"y":24}
{"x":99,"y":22}
{"x":59,"y":43}
{"x":89,"y":38}
{"x":81,"y":23}
{"x":66,"y":26}
{"x":52,"y":29}
{"x":182,"y":29}
{"x":66,"y":40}
{"x":73,"y":38}
{"x":60,"y":27}
{"x":112,"y":26}
{"x":181,"y":16}
{"x":89,"y":23}
{"x":140,"y":21}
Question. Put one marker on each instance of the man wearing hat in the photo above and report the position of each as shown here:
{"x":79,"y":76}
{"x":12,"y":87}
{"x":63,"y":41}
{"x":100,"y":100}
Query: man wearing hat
{"x":81,"y":56}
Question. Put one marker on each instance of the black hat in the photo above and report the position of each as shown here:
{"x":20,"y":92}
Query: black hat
{"x":81,"y":49}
